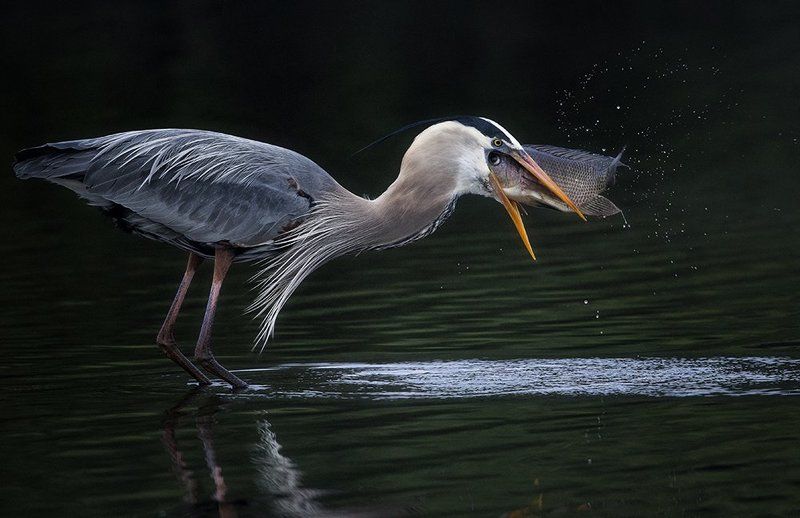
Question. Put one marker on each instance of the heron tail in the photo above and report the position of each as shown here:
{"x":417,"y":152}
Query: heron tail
{"x":62,"y":163}
{"x":68,"y":159}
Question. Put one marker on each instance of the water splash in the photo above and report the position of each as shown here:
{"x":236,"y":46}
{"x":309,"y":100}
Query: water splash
{"x":653,"y":377}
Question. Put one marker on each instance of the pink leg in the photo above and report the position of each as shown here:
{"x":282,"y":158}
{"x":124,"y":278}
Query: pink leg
{"x":166,"y":336}
{"x":202,"y":352}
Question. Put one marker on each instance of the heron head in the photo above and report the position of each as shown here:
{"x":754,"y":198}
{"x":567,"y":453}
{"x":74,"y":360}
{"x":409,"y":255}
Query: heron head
{"x":466,"y":152}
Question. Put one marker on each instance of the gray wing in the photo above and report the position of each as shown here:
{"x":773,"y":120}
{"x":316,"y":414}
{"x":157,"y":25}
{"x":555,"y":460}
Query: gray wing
{"x":193,"y":185}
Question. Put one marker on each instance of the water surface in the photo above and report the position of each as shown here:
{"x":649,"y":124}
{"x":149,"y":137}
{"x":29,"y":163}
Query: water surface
{"x":649,"y":370}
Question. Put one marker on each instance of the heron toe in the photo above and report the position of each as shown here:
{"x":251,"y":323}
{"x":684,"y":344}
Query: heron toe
{"x":214,"y":367}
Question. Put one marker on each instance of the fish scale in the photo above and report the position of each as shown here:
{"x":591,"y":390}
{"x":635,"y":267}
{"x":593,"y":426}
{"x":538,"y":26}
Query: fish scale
{"x":582,"y":176}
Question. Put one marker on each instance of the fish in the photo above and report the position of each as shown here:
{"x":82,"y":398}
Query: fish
{"x":582,"y":175}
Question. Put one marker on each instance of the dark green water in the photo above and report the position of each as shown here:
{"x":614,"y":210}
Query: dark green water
{"x":643,"y":371}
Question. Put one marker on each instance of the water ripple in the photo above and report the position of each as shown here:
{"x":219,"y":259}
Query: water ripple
{"x":654,"y":377}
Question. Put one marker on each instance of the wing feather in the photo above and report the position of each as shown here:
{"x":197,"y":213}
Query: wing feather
{"x":207,"y":187}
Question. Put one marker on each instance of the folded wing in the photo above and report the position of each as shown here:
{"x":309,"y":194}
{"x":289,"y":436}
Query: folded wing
{"x":188,"y":187}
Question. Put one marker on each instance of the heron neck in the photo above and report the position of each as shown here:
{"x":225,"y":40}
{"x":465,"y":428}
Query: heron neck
{"x":406,"y":211}
{"x":345,"y":223}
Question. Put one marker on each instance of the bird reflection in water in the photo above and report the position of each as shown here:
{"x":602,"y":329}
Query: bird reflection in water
{"x":204,"y":420}
{"x":277,"y":477}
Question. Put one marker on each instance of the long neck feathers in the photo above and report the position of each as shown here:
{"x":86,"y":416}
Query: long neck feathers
{"x":342,"y":223}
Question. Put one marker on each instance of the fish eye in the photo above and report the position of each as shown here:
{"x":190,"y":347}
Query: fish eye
{"x":496,"y":142}
{"x":494,"y":158}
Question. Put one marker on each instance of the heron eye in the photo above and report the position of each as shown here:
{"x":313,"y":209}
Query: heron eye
{"x":494,"y":159}
{"x":497,"y":142}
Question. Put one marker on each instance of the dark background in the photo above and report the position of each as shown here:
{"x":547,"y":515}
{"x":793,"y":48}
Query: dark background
{"x":325,"y":78}
{"x":703,"y":94}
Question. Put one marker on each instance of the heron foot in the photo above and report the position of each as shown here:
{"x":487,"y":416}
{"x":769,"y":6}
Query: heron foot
{"x":210,"y":364}
{"x":171,"y":351}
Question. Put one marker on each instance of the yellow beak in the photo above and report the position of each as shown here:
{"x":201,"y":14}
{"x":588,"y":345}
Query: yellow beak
{"x":512,"y":207}
{"x":533,"y":168}
{"x":513,"y":211}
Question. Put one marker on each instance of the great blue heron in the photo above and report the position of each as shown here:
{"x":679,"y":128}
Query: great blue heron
{"x":232,"y":199}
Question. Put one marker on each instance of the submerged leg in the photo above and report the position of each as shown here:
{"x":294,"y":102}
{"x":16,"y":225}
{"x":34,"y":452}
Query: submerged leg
{"x":166,"y":336}
{"x":202,"y":353}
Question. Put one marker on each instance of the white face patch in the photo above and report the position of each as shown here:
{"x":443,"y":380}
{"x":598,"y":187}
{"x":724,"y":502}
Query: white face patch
{"x":451,"y":157}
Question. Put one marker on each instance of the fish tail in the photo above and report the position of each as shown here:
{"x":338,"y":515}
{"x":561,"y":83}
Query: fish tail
{"x":618,"y":159}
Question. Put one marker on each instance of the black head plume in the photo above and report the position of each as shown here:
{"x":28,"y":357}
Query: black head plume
{"x":485,"y":126}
